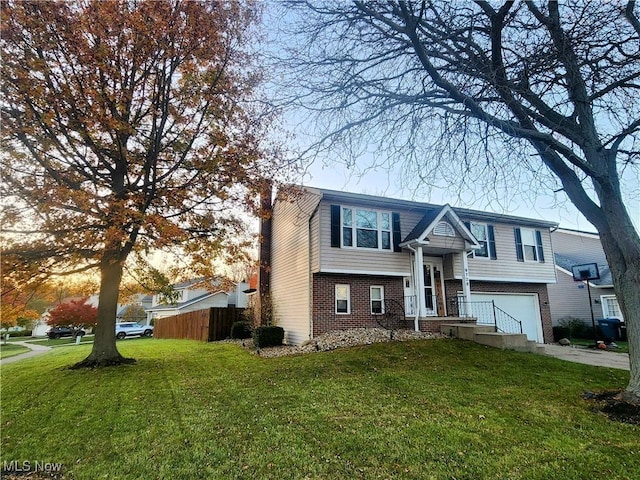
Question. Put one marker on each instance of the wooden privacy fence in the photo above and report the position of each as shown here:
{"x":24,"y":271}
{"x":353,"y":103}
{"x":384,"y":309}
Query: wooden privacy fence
{"x":206,"y":325}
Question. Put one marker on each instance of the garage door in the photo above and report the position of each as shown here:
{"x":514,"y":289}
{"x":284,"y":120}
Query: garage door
{"x":523,"y":307}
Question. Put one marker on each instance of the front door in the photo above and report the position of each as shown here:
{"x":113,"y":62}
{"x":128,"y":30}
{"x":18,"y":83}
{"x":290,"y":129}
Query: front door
{"x":434,"y":288}
{"x":430,"y":300}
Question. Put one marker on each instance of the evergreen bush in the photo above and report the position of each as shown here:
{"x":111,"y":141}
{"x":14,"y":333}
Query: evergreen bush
{"x":268,"y":336}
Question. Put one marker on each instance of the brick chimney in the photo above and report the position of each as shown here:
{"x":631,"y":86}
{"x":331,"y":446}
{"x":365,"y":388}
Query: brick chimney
{"x":264,"y":256}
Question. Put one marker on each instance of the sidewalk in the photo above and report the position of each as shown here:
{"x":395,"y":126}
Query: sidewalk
{"x":35,"y":350}
{"x":589,"y":356}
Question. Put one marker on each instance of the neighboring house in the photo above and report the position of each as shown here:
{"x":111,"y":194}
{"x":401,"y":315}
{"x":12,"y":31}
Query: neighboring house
{"x":569,"y":298}
{"x":197,"y":295}
{"x":339,"y":259}
{"x":135,"y":309}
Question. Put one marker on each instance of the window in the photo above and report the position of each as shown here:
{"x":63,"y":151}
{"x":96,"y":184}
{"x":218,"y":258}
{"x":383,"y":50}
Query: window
{"x":366,"y":228}
{"x":484,"y":234}
{"x":610,"y":307}
{"x":377,"y":300}
{"x":343,"y":300}
{"x":529,"y":245}
{"x":479,"y":230}
{"x":444,"y":229}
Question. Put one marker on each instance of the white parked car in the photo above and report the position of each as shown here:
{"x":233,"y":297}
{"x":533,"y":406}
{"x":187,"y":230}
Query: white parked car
{"x":128,"y":329}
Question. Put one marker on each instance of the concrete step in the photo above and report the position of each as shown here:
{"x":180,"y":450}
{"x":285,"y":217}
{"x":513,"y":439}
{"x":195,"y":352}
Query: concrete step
{"x":535,"y":347}
{"x":464,"y":331}
{"x":505,"y":341}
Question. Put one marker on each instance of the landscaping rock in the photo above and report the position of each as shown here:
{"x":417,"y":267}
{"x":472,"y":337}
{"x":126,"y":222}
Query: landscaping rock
{"x":341,"y":338}
{"x":564,"y":342}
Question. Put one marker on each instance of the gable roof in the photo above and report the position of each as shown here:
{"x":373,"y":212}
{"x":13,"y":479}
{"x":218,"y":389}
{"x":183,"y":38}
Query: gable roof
{"x":181,"y":305}
{"x":429,"y":221}
{"x":566,"y":262}
{"x":391,"y":203}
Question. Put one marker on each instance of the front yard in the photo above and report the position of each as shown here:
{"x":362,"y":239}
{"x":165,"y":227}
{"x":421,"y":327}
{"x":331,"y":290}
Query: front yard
{"x":9,"y":350}
{"x":433,"y":409}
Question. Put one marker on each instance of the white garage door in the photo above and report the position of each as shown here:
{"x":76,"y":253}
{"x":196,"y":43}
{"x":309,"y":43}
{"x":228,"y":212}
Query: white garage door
{"x":523,"y":307}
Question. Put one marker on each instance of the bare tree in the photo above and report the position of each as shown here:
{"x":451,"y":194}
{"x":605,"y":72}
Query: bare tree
{"x":517,"y":90}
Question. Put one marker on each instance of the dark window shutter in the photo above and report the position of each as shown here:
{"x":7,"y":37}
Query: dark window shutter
{"x":335,"y":226}
{"x":519,"y":252}
{"x":492,"y":242}
{"x":539,"y":245}
{"x":395,"y":218}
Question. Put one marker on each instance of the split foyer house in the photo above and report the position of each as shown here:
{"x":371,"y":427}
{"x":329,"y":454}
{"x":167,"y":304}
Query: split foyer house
{"x":340,"y":260}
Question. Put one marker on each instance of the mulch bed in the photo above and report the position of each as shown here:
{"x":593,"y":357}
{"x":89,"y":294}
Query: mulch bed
{"x":617,"y":409}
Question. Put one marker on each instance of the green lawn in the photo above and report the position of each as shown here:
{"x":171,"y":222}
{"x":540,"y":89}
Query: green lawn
{"x":10,"y":350}
{"x":439,"y":409}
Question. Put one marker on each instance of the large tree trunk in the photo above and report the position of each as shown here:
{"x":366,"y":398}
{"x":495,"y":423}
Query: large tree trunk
{"x":105,"y":352}
{"x":622,"y":247}
{"x":621,"y":244}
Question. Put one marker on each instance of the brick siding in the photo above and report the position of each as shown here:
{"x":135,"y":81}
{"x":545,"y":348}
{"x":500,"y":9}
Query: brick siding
{"x":324,"y":317}
{"x":452,"y":287}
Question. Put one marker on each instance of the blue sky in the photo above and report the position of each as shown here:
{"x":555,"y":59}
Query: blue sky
{"x":530,"y":195}
{"x":540,"y":203}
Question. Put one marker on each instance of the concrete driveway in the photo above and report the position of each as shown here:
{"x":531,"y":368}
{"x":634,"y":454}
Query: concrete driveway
{"x":589,"y":356}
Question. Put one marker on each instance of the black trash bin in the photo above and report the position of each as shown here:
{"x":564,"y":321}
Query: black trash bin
{"x":610,"y":328}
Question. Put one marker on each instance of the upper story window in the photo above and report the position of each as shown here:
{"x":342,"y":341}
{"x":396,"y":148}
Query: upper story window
{"x":529,"y":245}
{"x":479,"y":230}
{"x":484,"y":234}
{"x":366,"y":228}
{"x":444,"y":229}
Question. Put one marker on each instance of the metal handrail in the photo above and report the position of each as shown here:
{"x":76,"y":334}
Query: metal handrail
{"x":488,"y":313}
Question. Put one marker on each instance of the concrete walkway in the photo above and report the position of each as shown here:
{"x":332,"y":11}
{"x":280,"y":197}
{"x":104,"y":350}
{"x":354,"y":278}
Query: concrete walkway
{"x":35,"y":350}
{"x":589,"y":356}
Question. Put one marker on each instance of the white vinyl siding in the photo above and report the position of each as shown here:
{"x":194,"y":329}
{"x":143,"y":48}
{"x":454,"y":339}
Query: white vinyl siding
{"x":569,"y":298}
{"x":314,"y":242}
{"x":445,"y":243}
{"x":506,"y":267}
{"x":587,"y":248}
{"x":290,"y":266}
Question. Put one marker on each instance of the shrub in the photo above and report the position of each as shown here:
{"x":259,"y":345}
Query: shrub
{"x":574,"y":328}
{"x":241,"y":330}
{"x":268,"y":336}
{"x":20,"y":333}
